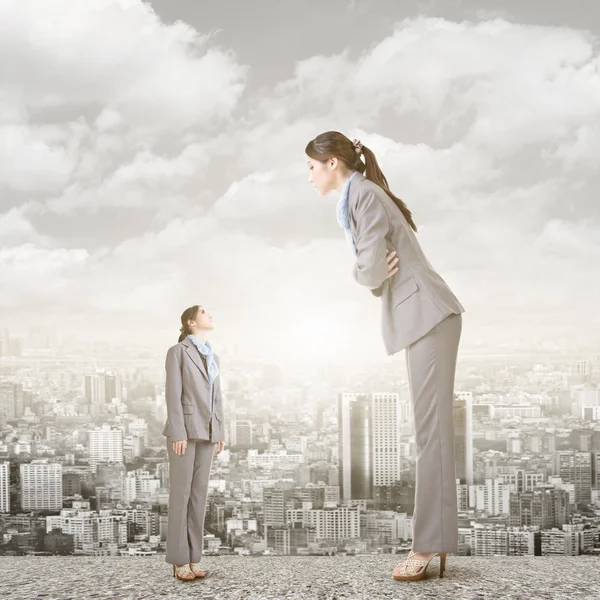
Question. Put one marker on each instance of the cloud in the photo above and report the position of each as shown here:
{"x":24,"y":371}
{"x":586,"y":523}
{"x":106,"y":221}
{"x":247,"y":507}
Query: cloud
{"x":32,"y":159}
{"x":486,"y":129}
{"x":116,"y":54}
{"x":95,"y":89}
{"x":16,"y":228}
{"x":277,"y":297}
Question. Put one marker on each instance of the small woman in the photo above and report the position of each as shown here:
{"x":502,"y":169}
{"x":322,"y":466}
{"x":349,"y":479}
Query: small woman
{"x":195,"y":425}
{"x":419,"y":313}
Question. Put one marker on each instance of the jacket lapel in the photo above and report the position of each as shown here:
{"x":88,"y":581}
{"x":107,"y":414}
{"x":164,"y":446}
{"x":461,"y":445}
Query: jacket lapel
{"x":194,"y":354}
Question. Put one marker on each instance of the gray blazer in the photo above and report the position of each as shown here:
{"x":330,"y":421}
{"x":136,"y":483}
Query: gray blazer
{"x":416,"y":298}
{"x":187,"y":392}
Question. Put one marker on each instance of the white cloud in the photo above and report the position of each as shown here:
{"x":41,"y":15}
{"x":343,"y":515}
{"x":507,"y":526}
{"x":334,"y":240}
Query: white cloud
{"x":31,"y":163}
{"x":116,"y":54}
{"x":90,"y":86}
{"x":487,"y":130}
{"x":15,"y":228}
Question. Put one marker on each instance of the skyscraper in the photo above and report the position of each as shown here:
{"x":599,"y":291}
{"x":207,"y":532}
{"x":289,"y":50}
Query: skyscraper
{"x":355,"y":446}
{"x":276,"y":501}
{"x":241,"y":433}
{"x":106,"y":445}
{"x":41,"y":485}
{"x":576,"y":468}
{"x":386,"y":439}
{"x":463,"y":437}
{"x":11,"y":399}
{"x":101,"y":388}
{"x":4,"y":486}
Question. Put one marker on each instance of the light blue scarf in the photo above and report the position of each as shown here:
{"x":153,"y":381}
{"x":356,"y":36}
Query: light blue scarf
{"x":207,"y":351}
{"x":343,"y":213}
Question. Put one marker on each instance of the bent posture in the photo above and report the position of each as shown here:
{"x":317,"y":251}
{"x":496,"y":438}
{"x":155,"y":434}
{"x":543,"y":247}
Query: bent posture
{"x":419,"y":313}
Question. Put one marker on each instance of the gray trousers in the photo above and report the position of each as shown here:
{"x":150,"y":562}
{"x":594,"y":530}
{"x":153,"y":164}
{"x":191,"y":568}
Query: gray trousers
{"x":431,"y":364}
{"x":188,"y":477}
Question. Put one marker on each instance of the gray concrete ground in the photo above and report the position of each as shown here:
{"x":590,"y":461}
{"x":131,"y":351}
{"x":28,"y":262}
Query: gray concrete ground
{"x":299,"y":578}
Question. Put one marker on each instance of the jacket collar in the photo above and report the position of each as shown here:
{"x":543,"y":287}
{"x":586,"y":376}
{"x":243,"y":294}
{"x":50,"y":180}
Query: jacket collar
{"x":195,"y":355}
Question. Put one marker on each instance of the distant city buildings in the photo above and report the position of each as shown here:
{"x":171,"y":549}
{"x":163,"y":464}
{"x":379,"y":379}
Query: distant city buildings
{"x":315,"y":462}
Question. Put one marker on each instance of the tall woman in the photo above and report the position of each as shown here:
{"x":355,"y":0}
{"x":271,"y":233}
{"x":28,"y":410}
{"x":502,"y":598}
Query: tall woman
{"x":419,"y":313}
{"x":195,"y":425}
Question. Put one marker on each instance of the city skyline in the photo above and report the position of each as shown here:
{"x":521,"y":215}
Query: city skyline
{"x":316,"y":465}
{"x":153,"y":158}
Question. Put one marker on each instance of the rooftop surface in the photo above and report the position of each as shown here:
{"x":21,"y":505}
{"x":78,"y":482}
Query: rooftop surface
{"x":299,"y":578}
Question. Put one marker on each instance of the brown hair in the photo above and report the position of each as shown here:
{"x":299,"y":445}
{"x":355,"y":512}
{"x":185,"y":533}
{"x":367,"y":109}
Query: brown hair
{"x":189,"y":314}
{"x":333,"y":143}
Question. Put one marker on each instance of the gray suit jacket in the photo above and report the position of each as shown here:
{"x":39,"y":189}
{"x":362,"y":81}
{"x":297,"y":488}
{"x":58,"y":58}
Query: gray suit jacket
{"x":416,"y":298}
{"x":187,"y":392}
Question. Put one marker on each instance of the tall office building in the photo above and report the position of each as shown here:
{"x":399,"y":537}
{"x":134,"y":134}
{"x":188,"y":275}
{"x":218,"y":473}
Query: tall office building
{"x":113,"y":386}
{"x":576,"y":468}
{"x":11,"y":399}
{"x":355,"y":446}
{"x":101,"y":387}
{"x":492,"y":497}
{"x":106,"y":445}
{"x":386,"y":439}
{"x":543,"y":508}
{"x":463,"y":437}
{"x":4,"y":486}
{"x":41,"y":485}
{"x":94,"y":388}
{"x":241,"y":433}
{"x":276,"y":501}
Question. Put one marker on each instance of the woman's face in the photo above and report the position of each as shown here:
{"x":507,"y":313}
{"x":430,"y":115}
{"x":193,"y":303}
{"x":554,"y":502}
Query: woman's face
{"x":322,"y":175}
{"x":202,"y":322}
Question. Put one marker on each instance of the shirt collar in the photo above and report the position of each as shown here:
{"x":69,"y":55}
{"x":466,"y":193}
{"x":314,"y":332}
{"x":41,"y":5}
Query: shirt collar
{"x":197,"y":341}
{"x":346,"y":187}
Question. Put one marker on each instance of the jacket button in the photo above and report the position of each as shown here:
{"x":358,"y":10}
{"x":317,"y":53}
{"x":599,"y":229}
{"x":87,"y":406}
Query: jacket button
{"x":207,"y":385}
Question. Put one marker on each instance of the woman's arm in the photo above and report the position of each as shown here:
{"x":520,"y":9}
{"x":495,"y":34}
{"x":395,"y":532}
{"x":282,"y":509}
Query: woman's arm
{"x":372,"y":225}
{"x":173,"y":392}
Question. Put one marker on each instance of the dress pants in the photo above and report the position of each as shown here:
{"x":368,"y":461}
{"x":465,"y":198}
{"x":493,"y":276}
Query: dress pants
{"x":188,"y":477}
{"x":431,"y":364}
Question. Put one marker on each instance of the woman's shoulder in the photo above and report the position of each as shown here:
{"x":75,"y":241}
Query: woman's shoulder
{"x":366,"y":191}
{"x":366,"y":187}
{"x":175,"y":348}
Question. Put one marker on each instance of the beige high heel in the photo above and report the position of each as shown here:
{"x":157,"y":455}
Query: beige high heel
{"x":183,"y":573}
{"x":413,"y":569}
{"x":197,"y":571}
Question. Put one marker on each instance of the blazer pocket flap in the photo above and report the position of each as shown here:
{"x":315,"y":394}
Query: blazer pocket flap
{"x":188,"y":409}
{"x":404,"y":290}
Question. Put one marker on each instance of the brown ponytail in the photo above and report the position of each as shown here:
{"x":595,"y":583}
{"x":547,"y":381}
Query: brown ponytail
{"x":189,"y":314}
{"x":333,"y":143}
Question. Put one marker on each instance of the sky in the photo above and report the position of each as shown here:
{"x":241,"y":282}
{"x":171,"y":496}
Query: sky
{"x":152,"y":158}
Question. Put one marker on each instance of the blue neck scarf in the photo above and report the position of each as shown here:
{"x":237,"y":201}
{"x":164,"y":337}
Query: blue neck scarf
{"x":343,"y":213}
{"x":207,"y":351}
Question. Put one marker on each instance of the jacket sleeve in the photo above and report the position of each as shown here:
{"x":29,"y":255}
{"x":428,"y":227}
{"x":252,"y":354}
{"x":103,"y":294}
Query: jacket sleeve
{"x":173,"y":392}
{"x":219,"y":388}
{"x":372,"y":225}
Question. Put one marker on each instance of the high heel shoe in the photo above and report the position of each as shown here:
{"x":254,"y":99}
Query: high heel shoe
{"x":183,"y":573}
{"x":413,"y":569}
{"x":197,"y":571}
